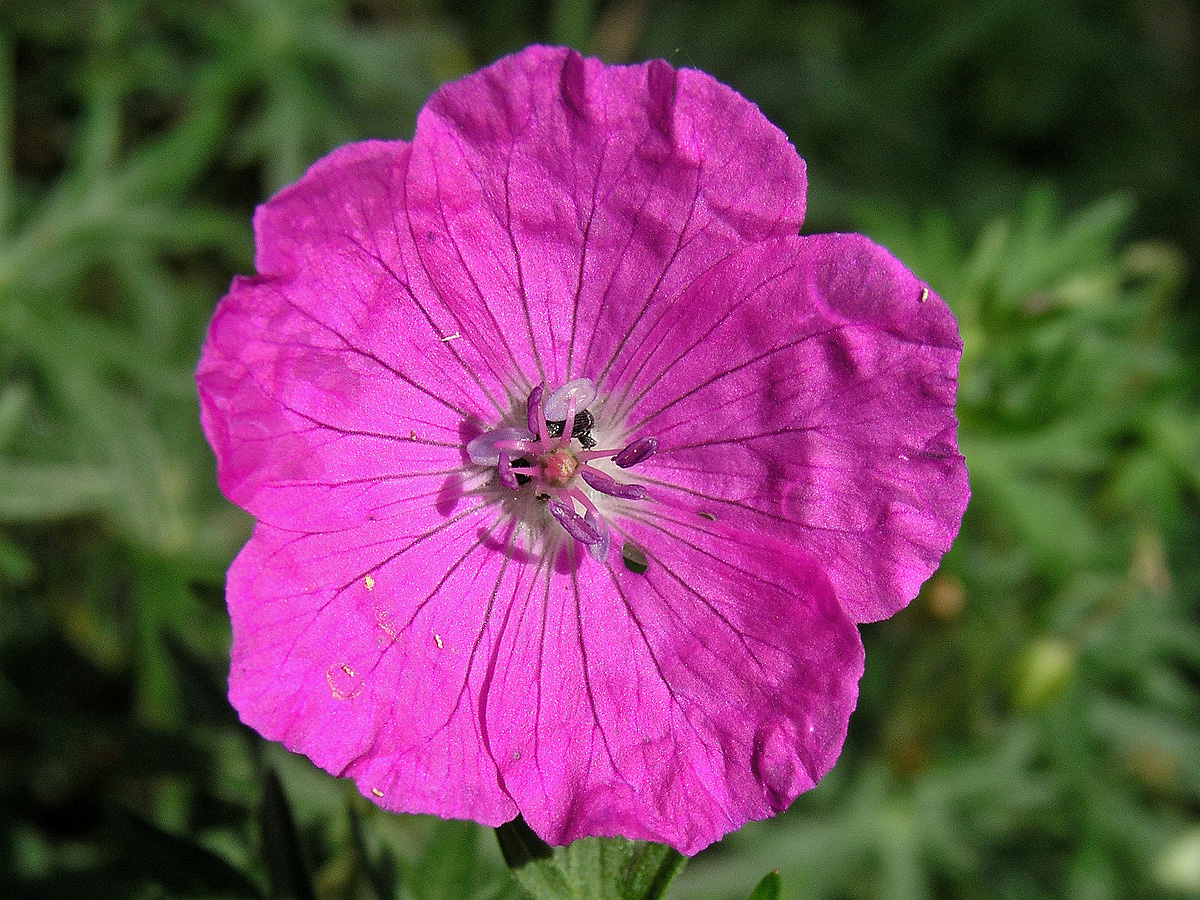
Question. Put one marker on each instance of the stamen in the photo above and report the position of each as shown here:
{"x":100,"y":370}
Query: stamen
{"x":568,"y":424}
{"x":599,"y":550}
{"x":584,"y":422}
{"x":606,"y":484}
{"x":517,"y":447}
{"x":583,"y":390}
{"x":484,"y":450}
{"x":504,"y":469}
{"x":576,"y":525}
{"x":545,"y":453}
{"x":533,"y":415}
{"x":639,"y":451}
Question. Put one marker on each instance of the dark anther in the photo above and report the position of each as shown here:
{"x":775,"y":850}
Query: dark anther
{"x":521,"y":463}
{"x":581,"y":430}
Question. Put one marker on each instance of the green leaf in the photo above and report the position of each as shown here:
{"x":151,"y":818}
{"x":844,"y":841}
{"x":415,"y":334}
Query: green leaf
{"x":178,"y":864}
{"x":201,"y":685}
{"x":36,"y":492}
{"x":446,"y":870}
{"x":768,"y":888}
{"x":533,"y":862}
{"x":15,"y":564}
{"x":287,"y":871}
{"x":382,"y":876}
{"x":651,"y":870}
{"x":589,"y":868}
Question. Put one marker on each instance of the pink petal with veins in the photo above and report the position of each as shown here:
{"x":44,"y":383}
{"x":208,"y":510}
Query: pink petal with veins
{"x":805,"y":389}
{"x":432,"y":615}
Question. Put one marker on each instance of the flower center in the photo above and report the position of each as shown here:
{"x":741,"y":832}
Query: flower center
{"x":554,"y":452}
{"x":558,"y":467}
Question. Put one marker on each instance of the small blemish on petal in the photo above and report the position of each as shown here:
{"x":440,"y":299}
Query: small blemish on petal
{"x":368,"y":582}
{"x":344,"y":682}
{"x":376,"y":792}
{"x":451,"y":337}
{"x":924,"y":295}
{"x":384,"y":619}
{"x":634,"y":559}
{"x":437,"y":639}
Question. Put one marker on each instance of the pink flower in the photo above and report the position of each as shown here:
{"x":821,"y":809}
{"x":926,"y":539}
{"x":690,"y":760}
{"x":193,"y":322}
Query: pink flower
{"x":573,"y":466}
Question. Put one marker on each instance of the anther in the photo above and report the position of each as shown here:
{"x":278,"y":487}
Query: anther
{"x":576,"y":525}
{"x":483,"y":449}
{"x":532,"y":414}
{"x":606,"y":484}
{"x":583,"y":390}
{"x":504,"y":470}
{"x":544,"y":456}
{"x":639,"y":451}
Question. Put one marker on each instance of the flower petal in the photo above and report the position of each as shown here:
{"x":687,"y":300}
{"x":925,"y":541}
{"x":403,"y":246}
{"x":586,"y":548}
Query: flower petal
{"x":547,"y":187}
{"x":557,"y":219}
{"x":327,"y":383}
{"x":444,"y":678}
{"x":367,"y":649}
{"x":676,"y":704}
{"x":805,"y":389}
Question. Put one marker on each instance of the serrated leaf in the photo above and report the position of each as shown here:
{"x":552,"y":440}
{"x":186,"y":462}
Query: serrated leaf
{"x":589,"y":868}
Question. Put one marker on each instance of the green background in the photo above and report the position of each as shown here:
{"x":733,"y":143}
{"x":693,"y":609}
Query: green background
{"x":1028,"y":728}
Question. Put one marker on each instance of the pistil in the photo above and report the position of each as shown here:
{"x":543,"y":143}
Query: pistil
{"x":554,"y":455}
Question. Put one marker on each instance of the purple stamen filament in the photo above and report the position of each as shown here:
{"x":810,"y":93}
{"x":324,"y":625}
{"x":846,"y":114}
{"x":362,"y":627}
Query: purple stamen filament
{"x":556,"y":468}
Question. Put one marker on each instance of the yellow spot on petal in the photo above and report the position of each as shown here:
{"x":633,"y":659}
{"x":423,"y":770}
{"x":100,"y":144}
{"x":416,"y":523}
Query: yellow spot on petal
{"x":924,"y":295}
{"x":369,"y":582}
{"x":344,"y":682}
{"x":384,"y":619}
{"x":437,"y":639}
{"x":377,"y":792}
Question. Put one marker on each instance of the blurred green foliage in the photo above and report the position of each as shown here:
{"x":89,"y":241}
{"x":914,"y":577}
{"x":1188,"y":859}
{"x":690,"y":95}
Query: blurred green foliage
{"x":1029,"y":727}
